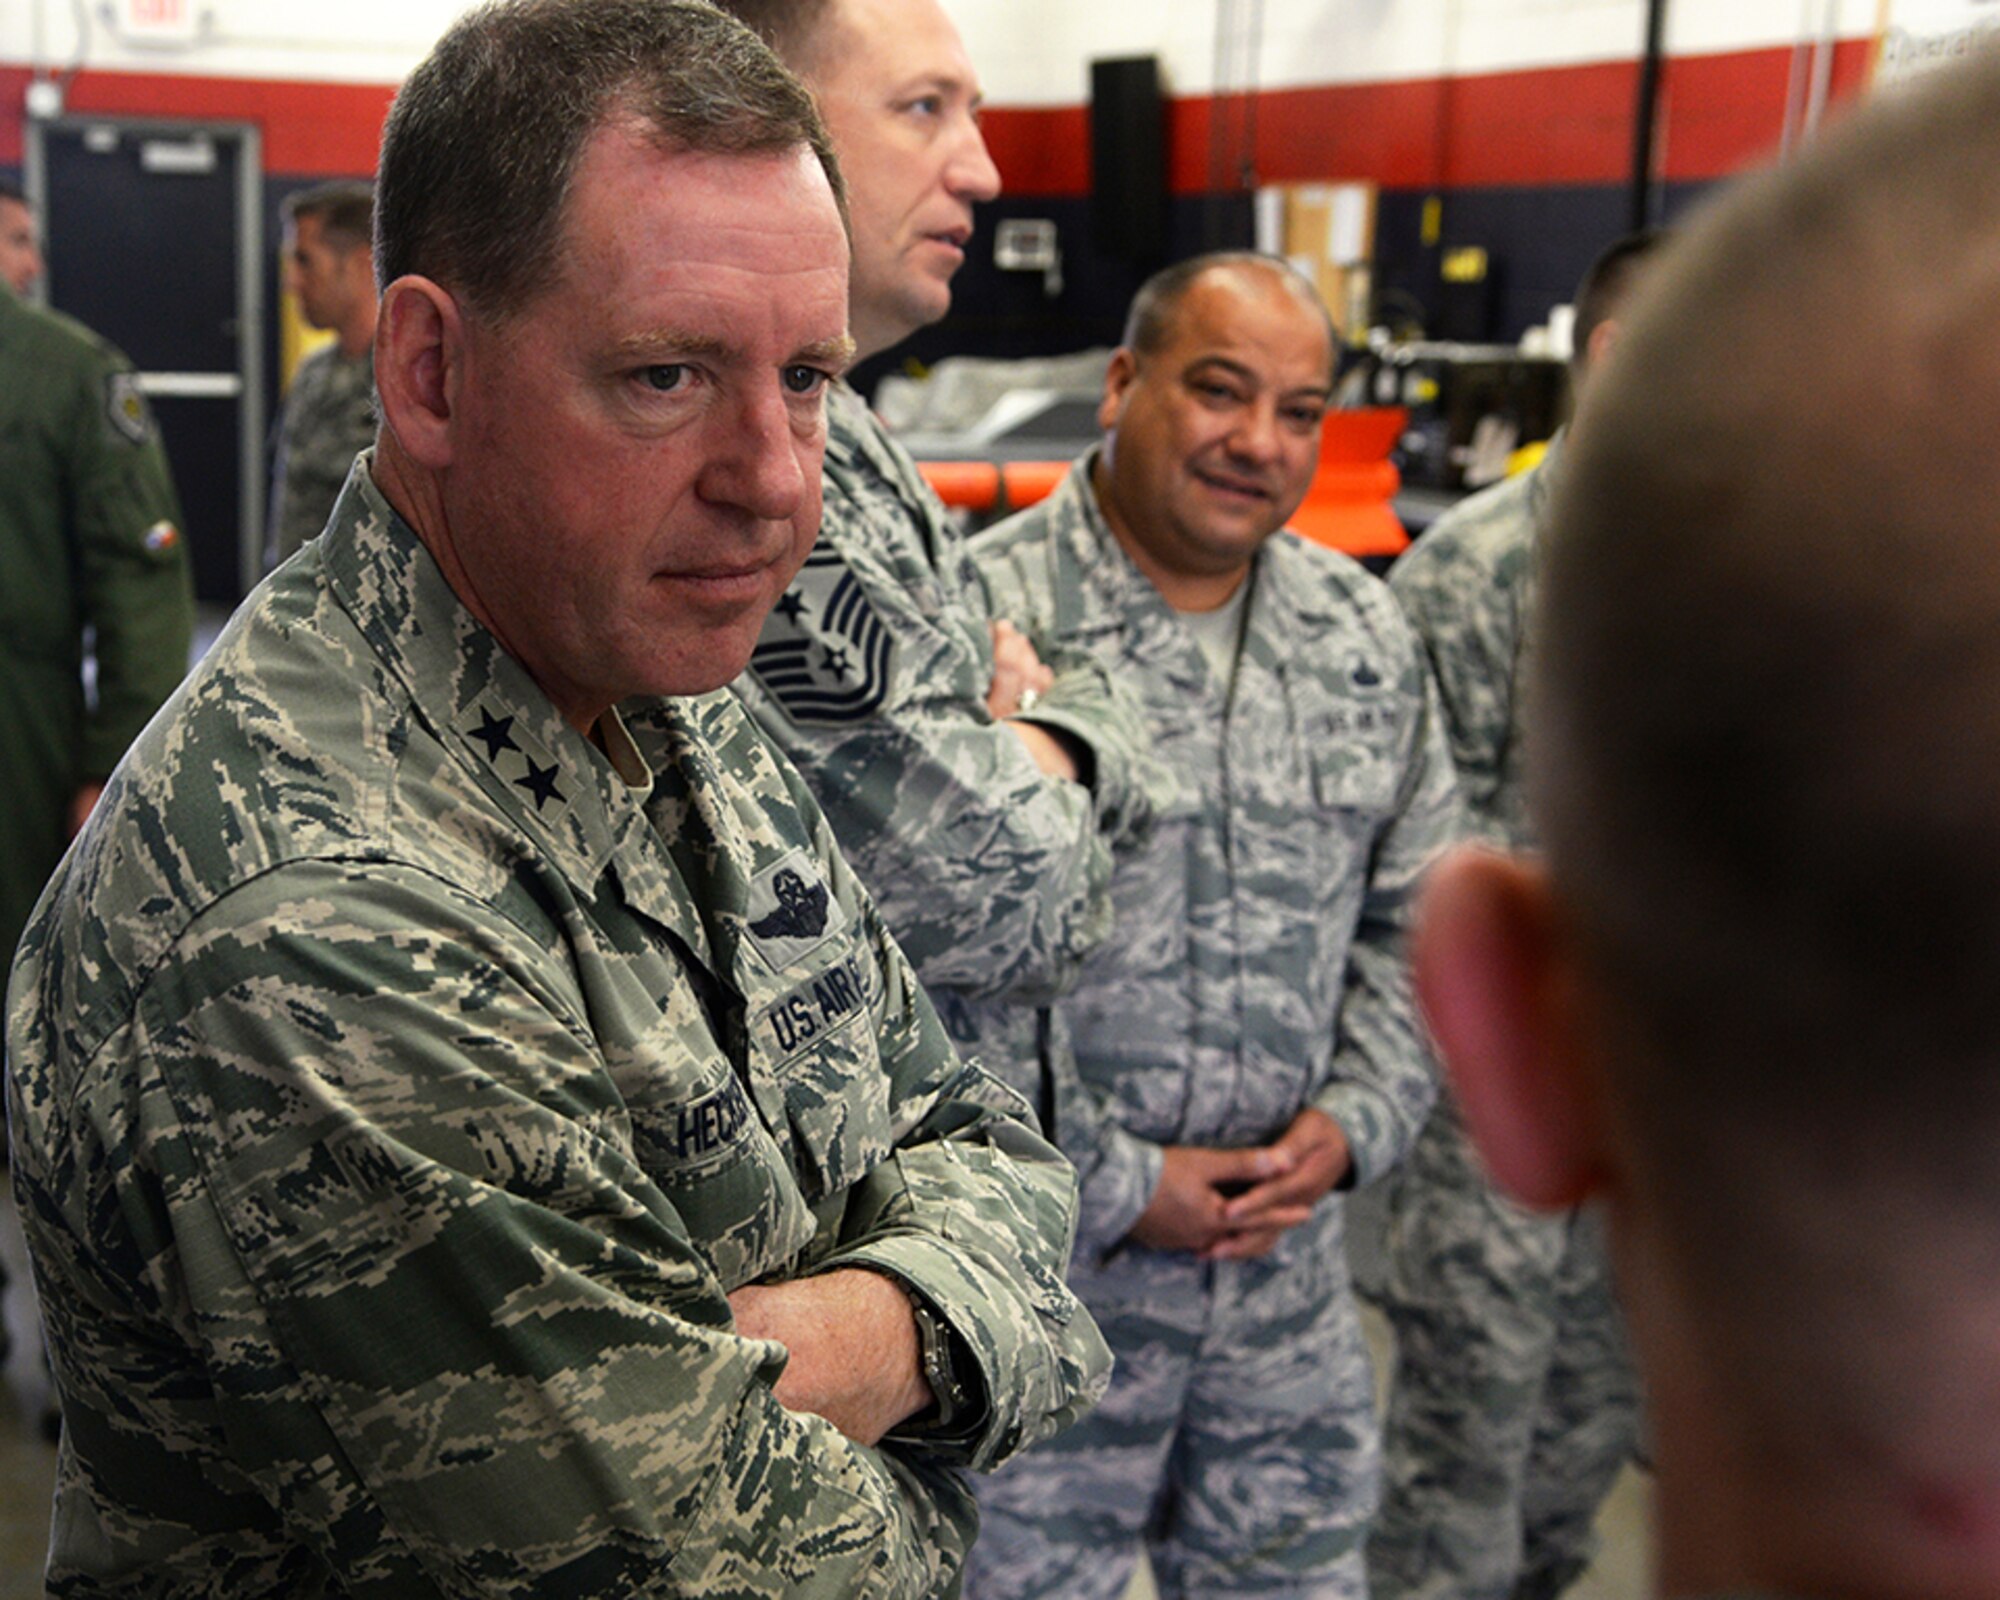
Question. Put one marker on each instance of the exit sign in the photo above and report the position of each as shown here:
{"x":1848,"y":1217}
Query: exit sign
{"x":167,"y":22}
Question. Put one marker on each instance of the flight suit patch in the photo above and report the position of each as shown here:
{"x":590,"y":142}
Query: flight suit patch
{"x":125,"y":408}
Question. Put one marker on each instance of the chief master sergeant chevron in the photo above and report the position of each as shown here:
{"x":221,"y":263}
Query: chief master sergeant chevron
{"x":475,"y":1137}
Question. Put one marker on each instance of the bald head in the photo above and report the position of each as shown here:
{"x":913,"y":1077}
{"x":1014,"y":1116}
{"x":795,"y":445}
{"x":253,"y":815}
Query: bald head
{"x":1151,"y":320}
{"x":796,"y":29}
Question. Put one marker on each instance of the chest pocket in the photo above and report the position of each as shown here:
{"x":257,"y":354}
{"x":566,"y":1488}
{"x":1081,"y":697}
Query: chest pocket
{"x":1354,"y":767}
{"x":814,"y":1040}
{"x":1353,"y":777}
{"x":698,"y":1136}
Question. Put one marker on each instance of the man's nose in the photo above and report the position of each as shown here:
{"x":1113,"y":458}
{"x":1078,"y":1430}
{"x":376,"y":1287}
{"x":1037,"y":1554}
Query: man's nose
{"x":756,"y":466}
{"x":1258,"y":435}
{"x":971,"y":174}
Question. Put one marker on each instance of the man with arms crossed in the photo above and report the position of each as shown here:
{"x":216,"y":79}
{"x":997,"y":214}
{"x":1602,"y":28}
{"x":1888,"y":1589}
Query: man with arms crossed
{"x":976,"y":791}
{"x":330,"y":409}
{"x":1250,"y":1049}
{"x":1513,"y":1405}
{"x":1747,"y":998}
{"x":476,"y":1138}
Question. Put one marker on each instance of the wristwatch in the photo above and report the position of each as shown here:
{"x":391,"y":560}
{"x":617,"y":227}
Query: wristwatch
{"x":934,"y":1349}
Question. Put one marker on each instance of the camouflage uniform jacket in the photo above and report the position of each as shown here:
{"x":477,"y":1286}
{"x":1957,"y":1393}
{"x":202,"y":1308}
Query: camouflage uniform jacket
{"x":994,"y":876}
{"x":1468,"y":585}
{"x":398,"y":1085}
{"x":329,"y":419}
{"x":1261,"y":966}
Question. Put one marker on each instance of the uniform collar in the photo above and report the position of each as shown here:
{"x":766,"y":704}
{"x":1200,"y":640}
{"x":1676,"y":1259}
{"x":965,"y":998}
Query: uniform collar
{"x":859,"y":449}
{"x":480,"y":702}
{"x":1542,"y":483}
{"x":857,"y":442}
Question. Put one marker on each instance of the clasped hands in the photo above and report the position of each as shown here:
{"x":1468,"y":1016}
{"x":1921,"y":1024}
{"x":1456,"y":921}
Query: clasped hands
{"x":1232,"y":1205}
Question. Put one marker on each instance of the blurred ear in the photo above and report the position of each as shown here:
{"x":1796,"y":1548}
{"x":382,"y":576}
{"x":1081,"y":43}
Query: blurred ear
{"x":1117,"y":379}
{"x":1500,"y":994}
{"x":419,"y":354}
{"x":1598,"y":348}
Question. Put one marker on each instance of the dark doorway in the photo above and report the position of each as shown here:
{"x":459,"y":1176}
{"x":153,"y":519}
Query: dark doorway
{"x":154,"y":239}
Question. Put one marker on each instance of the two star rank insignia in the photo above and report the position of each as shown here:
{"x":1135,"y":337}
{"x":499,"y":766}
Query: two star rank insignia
{"x":824,"y":655}
{"x":500,"y":737}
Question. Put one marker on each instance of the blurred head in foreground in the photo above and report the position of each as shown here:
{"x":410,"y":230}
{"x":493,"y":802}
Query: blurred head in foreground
{"x":1749,"y":998}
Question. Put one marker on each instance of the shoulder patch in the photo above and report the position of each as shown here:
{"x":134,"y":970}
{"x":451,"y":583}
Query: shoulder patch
{"x":824,"y":655}
{"x":790,"y":911}
{"x":125,"y":407}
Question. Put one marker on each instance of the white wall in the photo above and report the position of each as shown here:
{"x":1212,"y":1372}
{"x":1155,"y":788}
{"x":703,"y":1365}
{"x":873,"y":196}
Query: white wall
{"x":1031,"y":52}
{"x":1036,"y":52}
{"x":335,"y":41}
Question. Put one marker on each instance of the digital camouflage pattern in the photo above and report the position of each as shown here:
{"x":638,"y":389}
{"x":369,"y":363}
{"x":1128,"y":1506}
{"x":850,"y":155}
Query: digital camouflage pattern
{"x":1258,"y":969}
{"x":1468,"y":585}
{"x":329,"y":419}
{"x":1514,"y":1402}
{"x":398,"y":1085}
{"x":90,"y":537}
{"x":872,"y":676}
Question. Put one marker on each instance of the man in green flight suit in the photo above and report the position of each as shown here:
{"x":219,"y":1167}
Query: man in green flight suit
{"x":476,"y":1136}
{"x":90,"y":538}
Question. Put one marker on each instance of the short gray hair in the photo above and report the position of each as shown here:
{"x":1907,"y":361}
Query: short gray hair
{"x":484,"y":137}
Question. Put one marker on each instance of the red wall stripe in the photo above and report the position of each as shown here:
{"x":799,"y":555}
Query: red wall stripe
{"x":309,"y":129}
{"x":1043,"y":152}
{"x":1559,"y":125}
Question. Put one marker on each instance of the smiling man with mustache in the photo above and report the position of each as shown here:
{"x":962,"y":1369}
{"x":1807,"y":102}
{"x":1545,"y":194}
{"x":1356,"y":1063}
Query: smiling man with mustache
{"x":1246,"y":1044}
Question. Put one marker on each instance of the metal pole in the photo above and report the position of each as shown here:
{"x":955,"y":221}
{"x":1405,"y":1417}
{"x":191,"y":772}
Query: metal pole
{"x":1644,"y":114}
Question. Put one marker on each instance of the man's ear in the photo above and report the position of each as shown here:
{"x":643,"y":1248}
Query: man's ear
{"x":1117,"y":379}
{"x":1597,"y":349}
{"x":419,"y":354}
{"x":1499,"y":990}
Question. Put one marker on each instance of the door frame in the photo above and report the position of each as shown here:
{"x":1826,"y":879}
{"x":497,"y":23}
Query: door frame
{"x":248,"y":140}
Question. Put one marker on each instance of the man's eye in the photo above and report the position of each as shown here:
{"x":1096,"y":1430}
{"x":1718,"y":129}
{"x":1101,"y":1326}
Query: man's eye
{"x":805,"y":380}
{"x":665,"y":379}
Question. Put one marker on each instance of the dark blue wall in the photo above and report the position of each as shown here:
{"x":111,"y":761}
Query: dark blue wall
{"x":1538,"y":240}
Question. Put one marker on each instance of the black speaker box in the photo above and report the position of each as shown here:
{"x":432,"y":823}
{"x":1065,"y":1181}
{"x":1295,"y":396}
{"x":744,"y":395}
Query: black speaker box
{"x":1128,"y":160}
